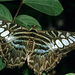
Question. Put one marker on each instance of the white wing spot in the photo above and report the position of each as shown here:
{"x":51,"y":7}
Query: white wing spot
{"x":67,"y":34}
{"x":0,"y":22}
{"x":59,"y":43}
{"x":4,"y":26}
{"x":9,"y":23}
{"x":70,"y":41}
{"x":1,"y":30}
{"x":9,"y":38}
{"x":55,"y":47}
{"x":72,"y":38}
{"x":5,"y":33}
{"x":65,"y":42}
{"x":62,"y":36}
{"x":59,"y":33}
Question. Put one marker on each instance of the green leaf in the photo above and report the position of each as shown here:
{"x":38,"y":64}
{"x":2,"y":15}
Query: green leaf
{"x":2,"y":65}
{"x":27,"y":21}
{"x":5,"y":13}
{"x":43,"y":73}
{"x":50,"y":7}
{"x":70,"y":74}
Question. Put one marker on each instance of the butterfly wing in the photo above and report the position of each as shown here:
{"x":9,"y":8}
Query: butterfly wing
{"x":12,"y":43}
{"x":43,"y":49}
{"x":49,"y":47}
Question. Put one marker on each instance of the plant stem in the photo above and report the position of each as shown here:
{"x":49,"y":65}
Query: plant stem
{"x":18,"y":10}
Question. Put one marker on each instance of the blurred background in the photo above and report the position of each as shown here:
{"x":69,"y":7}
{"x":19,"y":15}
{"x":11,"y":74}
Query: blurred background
{"x":65,"y":21}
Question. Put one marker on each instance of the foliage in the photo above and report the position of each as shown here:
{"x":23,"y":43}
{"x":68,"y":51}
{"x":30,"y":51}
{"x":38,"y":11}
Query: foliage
{"x":49,"y":7}
{"x":2,"y":65}
{"x":5,"y":13}
{"x":27,"y":21}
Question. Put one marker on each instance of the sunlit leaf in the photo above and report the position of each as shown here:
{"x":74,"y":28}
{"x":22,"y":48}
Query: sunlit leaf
{"x":70,"y":74}
{"x":2,"y":65}
{"x":5,"y":13}
{"x":27,"y":21}
{"x":50,"y":7}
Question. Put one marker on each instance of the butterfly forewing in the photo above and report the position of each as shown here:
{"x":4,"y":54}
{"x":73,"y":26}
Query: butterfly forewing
{"x":42,"y":49}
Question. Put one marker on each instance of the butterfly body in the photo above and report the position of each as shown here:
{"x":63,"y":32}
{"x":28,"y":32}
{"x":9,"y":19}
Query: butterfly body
{"x":42,"y":49}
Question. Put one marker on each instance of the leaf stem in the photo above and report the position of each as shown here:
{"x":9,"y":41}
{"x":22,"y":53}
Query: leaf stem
{"x":18,"y":10}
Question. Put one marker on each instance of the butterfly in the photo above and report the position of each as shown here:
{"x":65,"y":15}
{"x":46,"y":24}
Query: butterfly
{"x":42,"y":49}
